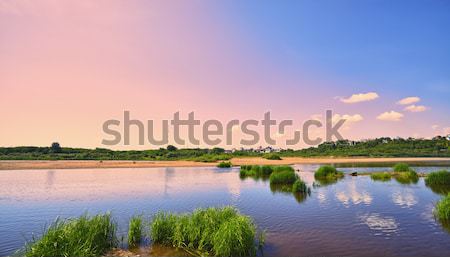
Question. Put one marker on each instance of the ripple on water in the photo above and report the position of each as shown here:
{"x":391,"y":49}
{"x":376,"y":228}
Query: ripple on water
{"x":380,"y":225}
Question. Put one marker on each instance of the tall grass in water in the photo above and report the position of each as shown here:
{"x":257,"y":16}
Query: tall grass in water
{"x":283,"y":177}
{"x":300,"y":187}
{"x":135,"y":231}
{"x":407,"y":177}
{"x":381,"y":176}
{"x":442,"y":210}
{"x":84,"y":236}
{"x":212,"y":231}
{"x":438,"y":178}
{"x":328,"y":171}
{"x":224,"y":165}
{"x":263,"y":172}
{"x":401,"y":167}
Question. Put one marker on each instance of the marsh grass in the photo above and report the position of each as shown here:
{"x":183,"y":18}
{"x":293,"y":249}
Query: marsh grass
{"x":381,"y":176}
{"x":328,"y":171}
{"x":224,"y":165}
{"x":135,"y":231}
{"x":300,"y":187}
{"x":406,"y":177}
{"x":84,"y":236}
{"x":441,"y":178}
{"x":401,"y":167}
{"x":442,"y":210}
{"x":283,"y":177}
{"x":262,"y":172}
{"x":211,"y":231}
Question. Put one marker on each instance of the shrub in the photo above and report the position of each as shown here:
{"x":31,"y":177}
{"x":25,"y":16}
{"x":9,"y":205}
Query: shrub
{"x":224,"y":165}
{"x":283,"y":177}
{"x":442,"y":210}
{"x":441,"y":178}
{"x":135,"y":232}
{"x":262,"y":171}
{"x":272,"y":156}
{"x":383,"y":176}
{"x":212,"y":231}
{"x":401,"y":167}
{"x":84,"y":236}
{"x":328,"y":171}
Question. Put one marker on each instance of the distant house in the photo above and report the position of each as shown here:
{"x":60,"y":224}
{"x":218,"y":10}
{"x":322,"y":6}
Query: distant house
{"x":448,"y":137}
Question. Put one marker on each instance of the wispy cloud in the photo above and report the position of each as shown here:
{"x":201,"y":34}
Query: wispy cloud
{"x":347,"y":118}
{"x":409,"y":100}
{"x":416,"y":108}
{"x":390,"y":116}
{"x":356,"y":98}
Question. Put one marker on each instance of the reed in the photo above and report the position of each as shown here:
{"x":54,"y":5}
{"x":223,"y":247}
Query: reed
{"x":135,"y":231}
{"x":442,"y":210}
{"x":329,"y":172}
{"x":381,"y":176}
{"x":83,"y":236}
{"x":438,"y":178}
{"x":211,"y":231}
{"x":224,"y":165}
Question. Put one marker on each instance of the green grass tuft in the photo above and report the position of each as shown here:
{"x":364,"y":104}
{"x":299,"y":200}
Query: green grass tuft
{"x":441,"y":178}
{"x":135,"y":232}
{"x":328,"y":171}
{"x":283,"y":177}
{"x":84,"y":236}
{"x":381,"y":176}
{"x":406,"y":177}
{"x":401,"y":167}
{"x":442,"y":210}
{"x":224,"y":165}
{"x":211,"y":231}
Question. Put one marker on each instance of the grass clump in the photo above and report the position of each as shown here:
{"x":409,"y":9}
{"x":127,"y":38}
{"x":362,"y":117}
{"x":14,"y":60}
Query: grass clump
{"x":442,"y":210}
{"x":272,"y":156}
{"x":211,"y":231}
{"x":135,"y":232}
{"x":381,"y":176}
{"x":224,"y":165}
{"x":406,"y":177}
{"x":283,"y":177}
{"x":84,"y":236}
{"x":441,"y":178}
{"x":328,"y":171}
{"x":401,"y":167}
{"x":263,"y":172}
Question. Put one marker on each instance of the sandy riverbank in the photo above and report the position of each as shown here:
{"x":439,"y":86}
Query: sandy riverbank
{"x":20,"y":165}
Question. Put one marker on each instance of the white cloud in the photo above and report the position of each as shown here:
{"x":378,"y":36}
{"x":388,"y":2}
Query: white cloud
{"x":416,"y":108}
{"x":434,"y":127}
{"x":390,"y":116}
{"x":356,"y":98}
{"x":409,"y":100}
{"x":348,"y":118}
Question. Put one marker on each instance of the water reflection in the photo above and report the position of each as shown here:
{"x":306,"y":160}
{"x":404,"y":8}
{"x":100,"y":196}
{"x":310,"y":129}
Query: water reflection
{"x":352,"y":195}
{"x":404,"y":198}
{"x":440,"y":189}
{"x":380,"y":225}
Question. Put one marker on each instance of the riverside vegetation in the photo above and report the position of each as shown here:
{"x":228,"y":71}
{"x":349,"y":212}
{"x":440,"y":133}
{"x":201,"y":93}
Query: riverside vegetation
{"x":402,"y":173}
{"x":212,"y":231}
{"x":379,"y":147}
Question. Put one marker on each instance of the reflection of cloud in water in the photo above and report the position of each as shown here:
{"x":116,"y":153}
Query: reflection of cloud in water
{"x":234,"y":188}
{"x":351,"y":195}
{"x":321,"y":196}
{"x":405,"y":199}
{"x":379,"y":224}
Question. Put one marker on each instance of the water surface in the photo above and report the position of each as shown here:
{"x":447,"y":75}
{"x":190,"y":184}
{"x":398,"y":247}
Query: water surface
{"x":354,"y":217}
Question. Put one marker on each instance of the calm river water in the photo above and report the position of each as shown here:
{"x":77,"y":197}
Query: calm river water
{"x":353,"y":217}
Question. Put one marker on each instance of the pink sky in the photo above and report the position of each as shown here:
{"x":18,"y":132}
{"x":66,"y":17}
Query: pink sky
{"x":67,"y":67}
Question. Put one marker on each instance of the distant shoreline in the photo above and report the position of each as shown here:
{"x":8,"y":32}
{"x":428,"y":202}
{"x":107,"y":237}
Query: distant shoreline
{"x":90,"y":164}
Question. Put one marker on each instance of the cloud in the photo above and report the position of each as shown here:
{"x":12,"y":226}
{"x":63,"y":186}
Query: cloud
{"x":409,"y":100}
{"x":356,"y":98}
{"x":390,"y":116}
{"x":416,"y":108}
{"x":348,"y":118}
{"x":434,"y":127}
